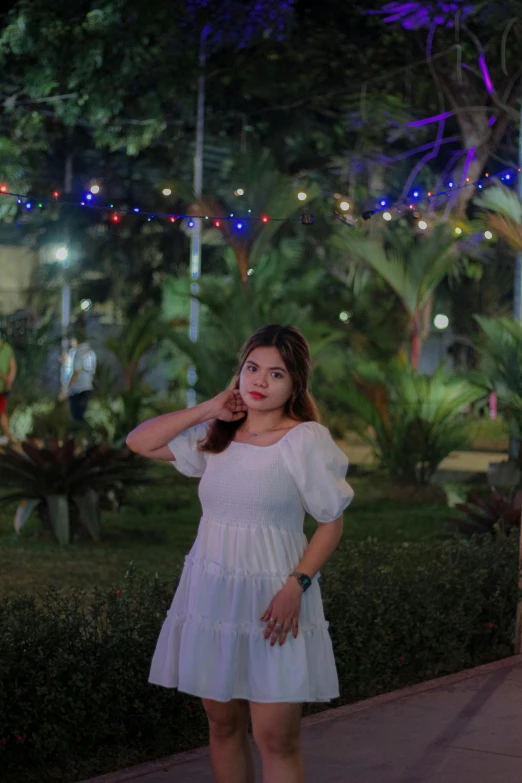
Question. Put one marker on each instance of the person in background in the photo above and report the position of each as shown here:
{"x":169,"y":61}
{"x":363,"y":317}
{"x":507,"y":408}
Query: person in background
{"x":7,"y":377}
{"x":78,"y":371}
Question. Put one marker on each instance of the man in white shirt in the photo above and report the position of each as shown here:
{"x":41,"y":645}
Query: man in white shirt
{"x":78,"y":374}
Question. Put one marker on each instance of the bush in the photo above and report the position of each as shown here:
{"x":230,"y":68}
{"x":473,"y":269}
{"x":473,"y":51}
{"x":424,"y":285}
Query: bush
{"x":401,"y":615}
{"x":74,"y":696}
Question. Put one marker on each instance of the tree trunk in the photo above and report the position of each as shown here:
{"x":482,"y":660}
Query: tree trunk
{"x":415,"y":341}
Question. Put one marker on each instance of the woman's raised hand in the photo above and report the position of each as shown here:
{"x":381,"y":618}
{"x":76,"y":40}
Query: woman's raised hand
{"x":229,"y":406}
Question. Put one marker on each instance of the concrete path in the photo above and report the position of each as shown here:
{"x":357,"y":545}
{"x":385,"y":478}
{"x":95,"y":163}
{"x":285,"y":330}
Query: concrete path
{"x":459,"y":461}
{"x":465,"y":728}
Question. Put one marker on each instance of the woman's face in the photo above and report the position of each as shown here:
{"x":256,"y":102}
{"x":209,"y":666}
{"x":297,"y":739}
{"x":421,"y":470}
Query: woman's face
{"x":264,"y":373}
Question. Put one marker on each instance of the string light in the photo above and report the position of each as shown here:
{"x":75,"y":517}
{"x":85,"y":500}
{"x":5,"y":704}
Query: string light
{"x":115,"y":218}
{"x":239,"y":192}
{"x":95,"y":189}
{"x":3,"y":189}
{"x":167,"y":191}
{"x":301,"y":196}
{"x":441,"y":321}
{"x":423,"y":224}
{"x":488,"y":234}
{"x":344,"y":206}
{"x":458,"y":230}
{"x":387,"y":216}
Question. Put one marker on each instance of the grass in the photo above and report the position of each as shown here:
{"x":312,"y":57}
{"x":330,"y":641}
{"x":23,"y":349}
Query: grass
{"x":158,"y":527}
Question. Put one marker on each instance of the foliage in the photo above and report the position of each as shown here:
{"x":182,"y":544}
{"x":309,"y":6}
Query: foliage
{"x":266,"y":192}
{"x":66,"y":483}
{"x":113,"y":418}
{"x":495,"y":514}
{"x":500,"y":349}
{"x":503,"y":213}
{"x":137,"y":340}
{"x":230,"y":313}
{"x":413,"y":263}
{"x":74,"y":694}
{"x":419,"y":612}
{"x":24,"y":417}
{"x":415,"y":420}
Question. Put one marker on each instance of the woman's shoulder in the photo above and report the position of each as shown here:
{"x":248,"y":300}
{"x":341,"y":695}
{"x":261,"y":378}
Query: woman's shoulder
{"x":307,"y":430}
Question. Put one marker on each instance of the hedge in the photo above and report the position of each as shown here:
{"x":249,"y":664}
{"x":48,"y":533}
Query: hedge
{"x":74,"y":696}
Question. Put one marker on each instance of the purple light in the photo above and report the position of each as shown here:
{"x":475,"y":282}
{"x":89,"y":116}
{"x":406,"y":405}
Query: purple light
{"x":485,"y":74}
{"x":450,"y":184}
{"x":492,"y":120}
{"x":190,"y":223}
{"x":429,"y":120}
{"x":383,"y":203}
{"x":239,"y":226}
{"x":136,"y":209}
{"x":480,"y":186}
{"x":413,"y":15}
{"x":416,"y":194}
{"x":508,"y":176}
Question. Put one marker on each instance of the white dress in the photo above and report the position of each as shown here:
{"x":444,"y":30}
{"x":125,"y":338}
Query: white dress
{"x":250,"y":538}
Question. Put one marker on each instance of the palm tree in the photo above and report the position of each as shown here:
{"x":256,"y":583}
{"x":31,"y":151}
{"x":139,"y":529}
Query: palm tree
{"x":230,"y":313}
{"x":501,"y":371}
{"x":412,"y":421}
{"x":266,"y":193}
{"x":503,"y":213}
{"x":143,"y":333}
{"x":412,"y":264}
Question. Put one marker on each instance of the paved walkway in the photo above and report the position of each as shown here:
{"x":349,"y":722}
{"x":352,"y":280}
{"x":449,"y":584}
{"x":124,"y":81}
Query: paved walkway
{"x":460,"y":461}
{"x":465,"y":728}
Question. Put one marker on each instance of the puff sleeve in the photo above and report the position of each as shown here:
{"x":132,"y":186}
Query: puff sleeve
{"x":184,"y":448}
{"x":318,"y":468}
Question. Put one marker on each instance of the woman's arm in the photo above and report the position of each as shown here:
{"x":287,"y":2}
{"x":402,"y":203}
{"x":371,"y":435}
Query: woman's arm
{"x":321,"y":547}
{"x":150,"y":438}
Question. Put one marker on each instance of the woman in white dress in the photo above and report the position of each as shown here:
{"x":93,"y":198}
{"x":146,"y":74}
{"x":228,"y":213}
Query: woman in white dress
{"x":246,"y":630}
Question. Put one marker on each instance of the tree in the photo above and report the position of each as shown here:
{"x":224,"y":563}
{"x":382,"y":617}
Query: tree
{"x":412,"y":421}
{"x":230,"y":313}
{"x":476,"y":78}
{"x":264,"y":192}
{"x":412,"y":263}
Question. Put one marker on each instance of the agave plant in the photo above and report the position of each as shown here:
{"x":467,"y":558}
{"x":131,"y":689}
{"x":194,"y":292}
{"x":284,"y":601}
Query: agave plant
{"x":493,"y":514}
{"x":412,"y":421}
{"x":66,"y":485}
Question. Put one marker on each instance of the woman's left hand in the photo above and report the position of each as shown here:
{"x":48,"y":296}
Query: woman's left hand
{"x":284,"y":611}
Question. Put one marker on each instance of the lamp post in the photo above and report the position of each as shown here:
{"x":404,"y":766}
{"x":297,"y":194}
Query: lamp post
{"x":62,"y":254}
{"x":518,"y":268}
{"x":195,"y":239}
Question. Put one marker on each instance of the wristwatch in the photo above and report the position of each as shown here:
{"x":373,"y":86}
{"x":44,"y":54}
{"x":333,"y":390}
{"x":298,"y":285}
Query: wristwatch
{"x":303,"y":580}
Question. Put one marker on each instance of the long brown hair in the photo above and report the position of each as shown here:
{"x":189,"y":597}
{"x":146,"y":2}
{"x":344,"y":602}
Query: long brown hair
{"x":295,"y":353}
